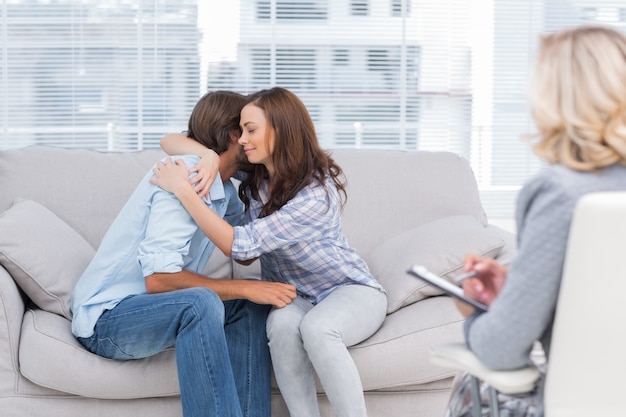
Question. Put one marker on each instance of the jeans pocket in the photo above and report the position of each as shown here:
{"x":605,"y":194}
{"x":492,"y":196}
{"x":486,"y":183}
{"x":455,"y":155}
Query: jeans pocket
{"x":104,"y":347}
{"x":110,"y":350}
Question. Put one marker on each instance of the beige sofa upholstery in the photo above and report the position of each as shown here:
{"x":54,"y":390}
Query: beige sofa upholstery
{"x":56,"y":204}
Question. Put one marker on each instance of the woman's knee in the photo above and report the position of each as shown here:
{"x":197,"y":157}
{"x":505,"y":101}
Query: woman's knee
{"x":315,"y":333}
{"x":282,"y":323}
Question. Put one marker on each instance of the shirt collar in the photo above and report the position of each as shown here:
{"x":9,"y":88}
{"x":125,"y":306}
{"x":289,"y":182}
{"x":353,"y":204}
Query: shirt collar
{"x":217,"y":191}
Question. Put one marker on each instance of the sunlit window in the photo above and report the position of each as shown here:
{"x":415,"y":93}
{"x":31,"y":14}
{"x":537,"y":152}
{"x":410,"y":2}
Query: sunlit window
{"x":381,"y":74}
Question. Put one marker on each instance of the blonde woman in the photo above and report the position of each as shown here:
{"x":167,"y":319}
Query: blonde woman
{"x":578,"y":100}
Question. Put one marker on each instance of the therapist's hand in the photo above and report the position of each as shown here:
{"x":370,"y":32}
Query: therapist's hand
{"x":489,"y":280}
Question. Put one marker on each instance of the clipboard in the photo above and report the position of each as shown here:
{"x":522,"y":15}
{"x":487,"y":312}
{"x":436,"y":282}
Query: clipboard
{"x":447,"y":287}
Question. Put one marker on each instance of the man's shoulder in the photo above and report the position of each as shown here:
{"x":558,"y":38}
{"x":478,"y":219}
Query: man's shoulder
{"x":189,"y":160}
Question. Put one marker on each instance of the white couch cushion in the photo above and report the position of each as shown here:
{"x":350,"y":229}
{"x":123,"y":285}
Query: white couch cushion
{"x":43,"y":254}
{"x":77,"y":371}
{"x":397,"y":355}
{"x":84,"y":188}
{"x":399,"y":350}
{"x":390,"y":192}
{"x":439,"y":245}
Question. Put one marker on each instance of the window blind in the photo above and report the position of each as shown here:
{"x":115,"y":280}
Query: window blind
{"x":108,"y":75}
{"x":382,"y":74}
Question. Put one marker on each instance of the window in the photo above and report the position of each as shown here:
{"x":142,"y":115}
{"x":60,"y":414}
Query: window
{"x":261,"y":59}
{"x":400,"y":74}
{"x":263,"y":10}
{"x":341,"y":57}
{"x":359,"y":8}
{"x":95,"y":74}
{"x":296,"y":68}
{"x":398,"y":5}
{"x":292,"y":10}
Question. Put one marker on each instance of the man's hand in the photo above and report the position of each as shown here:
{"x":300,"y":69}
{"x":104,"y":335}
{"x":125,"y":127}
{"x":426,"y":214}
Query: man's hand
{"x":276,"y":294}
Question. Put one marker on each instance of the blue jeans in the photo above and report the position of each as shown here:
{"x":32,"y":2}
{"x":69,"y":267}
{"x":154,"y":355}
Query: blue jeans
{"x":221,"y":347}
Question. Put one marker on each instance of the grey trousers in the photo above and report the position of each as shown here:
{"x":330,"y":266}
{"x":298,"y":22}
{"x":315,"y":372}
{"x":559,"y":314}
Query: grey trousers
{"x":303,"y":337}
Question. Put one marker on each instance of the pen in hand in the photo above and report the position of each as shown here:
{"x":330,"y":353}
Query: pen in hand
{"x":462,"y":277}
{"x":471,"y":274}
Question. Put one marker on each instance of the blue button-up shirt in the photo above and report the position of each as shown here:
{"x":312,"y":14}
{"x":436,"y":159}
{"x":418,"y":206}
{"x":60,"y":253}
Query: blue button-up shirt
{"x":152,"y":233}
{"x":303,"y":243}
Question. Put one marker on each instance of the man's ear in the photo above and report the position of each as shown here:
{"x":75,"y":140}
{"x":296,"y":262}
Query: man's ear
{"x":234,"y":138}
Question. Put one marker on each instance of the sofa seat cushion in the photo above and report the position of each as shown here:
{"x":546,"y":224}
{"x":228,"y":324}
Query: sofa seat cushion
{"x":43,"y":254}
{"x":51,"y":357}
{"x":398,"y":353}
{"x":397,"y":356}
{"x":439,"y":245}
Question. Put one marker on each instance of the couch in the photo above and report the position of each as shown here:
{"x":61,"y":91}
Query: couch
{"x":56,"y":204}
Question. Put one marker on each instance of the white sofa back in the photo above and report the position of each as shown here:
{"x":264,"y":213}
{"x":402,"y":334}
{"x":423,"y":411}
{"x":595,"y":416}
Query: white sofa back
{"x":388,"y":191}
{"x":85,"y":188}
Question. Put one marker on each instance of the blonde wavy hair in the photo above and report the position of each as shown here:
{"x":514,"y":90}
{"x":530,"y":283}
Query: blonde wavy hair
{"x":578,"y":98}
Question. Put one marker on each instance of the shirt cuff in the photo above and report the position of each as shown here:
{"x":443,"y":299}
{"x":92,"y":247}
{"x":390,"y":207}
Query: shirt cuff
{"x":160,"y":262}
{"x":242,"y":247}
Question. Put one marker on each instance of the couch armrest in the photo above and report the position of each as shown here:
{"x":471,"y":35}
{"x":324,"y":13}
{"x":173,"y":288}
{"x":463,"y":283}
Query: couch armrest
{"x":12,"y":310}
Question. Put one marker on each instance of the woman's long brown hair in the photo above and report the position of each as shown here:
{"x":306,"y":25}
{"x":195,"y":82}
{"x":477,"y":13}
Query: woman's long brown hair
{"x":297,"y":158}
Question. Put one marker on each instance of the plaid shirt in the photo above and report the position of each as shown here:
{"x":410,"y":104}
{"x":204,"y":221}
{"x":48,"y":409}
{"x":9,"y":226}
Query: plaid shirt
{"x":302,"y":243}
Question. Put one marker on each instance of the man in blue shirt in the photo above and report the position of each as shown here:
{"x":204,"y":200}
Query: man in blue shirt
{"x":143,"y":292}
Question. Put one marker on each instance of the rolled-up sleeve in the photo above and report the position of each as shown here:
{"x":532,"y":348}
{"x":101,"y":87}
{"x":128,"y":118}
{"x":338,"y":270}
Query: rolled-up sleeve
{"x":169,"y":230}
{"x":160,"y":262}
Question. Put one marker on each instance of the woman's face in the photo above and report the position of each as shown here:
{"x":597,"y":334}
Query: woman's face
{"x":257,"y":137}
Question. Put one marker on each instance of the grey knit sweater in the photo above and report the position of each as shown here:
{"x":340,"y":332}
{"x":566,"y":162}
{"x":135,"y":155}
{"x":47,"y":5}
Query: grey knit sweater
{"x":524,"y":311}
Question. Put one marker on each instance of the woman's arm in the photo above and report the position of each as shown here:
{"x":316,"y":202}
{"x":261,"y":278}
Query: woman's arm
{"x":207,"y":168}
{"x":523,"y":311}
{"x":172,"y":177}
{"x":181,"y":144}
